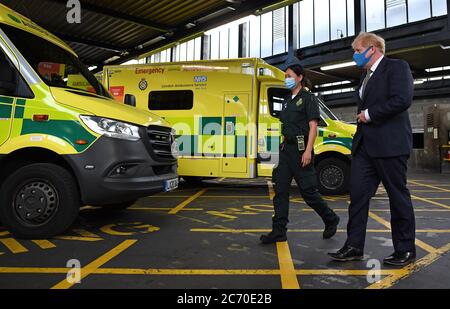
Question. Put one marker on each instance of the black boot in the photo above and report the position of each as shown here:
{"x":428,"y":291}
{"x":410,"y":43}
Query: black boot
{"x":273,"y":237}
{"x":331,"y":227}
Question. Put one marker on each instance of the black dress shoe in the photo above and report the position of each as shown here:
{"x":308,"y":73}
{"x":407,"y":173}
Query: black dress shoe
{"x":400,"y":259}
{"x":273,"y":237}
{"x":331,"y":228}
{"x":347,"y":254}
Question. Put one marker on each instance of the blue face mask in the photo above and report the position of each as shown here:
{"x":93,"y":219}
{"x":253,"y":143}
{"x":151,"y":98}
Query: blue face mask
{"x":290,"y":83}
{"x":361,"y":59}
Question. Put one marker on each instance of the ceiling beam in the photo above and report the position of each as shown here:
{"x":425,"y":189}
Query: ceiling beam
{"x":88,"y":42}
{"x":119,"y":15}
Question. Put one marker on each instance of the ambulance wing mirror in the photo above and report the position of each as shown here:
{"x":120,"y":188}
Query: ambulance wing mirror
{"x":130,"y":100}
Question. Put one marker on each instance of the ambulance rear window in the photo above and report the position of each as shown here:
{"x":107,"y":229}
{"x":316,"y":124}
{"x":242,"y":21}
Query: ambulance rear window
{"x":171,"y":100}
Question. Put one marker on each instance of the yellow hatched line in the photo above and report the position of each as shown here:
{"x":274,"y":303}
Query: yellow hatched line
{"x":44,"y":244}
{"x":419,"y":243}
{"x":429,"y":186}
{"x":183,"y":204}
{"x":13,"y":245}
{"x":410,"y":269}
{"x":95,"y":265}
{"x":288,"y":275}
{"x":430,"y":201}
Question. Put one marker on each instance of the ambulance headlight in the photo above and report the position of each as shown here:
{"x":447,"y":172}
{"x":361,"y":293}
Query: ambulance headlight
{"x":112,"y":128}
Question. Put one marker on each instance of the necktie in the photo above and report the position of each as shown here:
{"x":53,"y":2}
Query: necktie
{"x":365,"y":81}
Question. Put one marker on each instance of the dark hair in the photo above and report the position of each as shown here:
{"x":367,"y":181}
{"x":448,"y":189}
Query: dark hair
{"x":299,"y":70}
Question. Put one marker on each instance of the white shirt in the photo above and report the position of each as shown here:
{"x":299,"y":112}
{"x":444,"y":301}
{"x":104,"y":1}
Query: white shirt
{"x":373,"y":69}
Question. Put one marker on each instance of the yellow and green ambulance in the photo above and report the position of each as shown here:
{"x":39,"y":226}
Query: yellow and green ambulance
{"x":64,"y":142}
{"x":225,"y":114}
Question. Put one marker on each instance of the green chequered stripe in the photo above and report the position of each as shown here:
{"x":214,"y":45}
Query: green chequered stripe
{"x":6,"y":107}
{"x":273,"y":143}
{"x":67,"y":130}
{"x":189,"y":146}
{"x":5,"y":111}
{"x":210,"y":125}
{"x":6,"y":100}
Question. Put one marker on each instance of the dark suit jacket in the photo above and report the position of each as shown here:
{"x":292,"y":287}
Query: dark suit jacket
{"x":388,"y":95}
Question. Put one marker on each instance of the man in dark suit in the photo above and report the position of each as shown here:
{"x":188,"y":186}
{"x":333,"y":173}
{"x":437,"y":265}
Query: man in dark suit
{"x":381,"y":149}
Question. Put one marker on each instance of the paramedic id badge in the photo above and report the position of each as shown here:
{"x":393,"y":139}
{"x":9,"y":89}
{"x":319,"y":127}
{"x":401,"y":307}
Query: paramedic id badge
{"x":301,"y":143}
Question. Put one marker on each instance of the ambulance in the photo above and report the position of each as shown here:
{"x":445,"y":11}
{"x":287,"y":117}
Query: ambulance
{"x":226,"y":117}
{"x":64,"y":141}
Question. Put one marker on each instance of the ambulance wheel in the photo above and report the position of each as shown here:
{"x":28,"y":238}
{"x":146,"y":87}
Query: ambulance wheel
{"x":119,"y":206}
{"x":39,"y":201}
{"x":334,"y":176}
{"x":193,"y":180}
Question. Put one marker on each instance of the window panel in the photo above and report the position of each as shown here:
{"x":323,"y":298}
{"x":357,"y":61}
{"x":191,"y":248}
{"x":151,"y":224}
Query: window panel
{"x":279,"y":31}
{"x":306,"y":23}
{"x":439,"y":7}
{"x":255,"y":37}
{"x":418,"y":10}
{"x":224,"y":40}
{"x":266,"y":38}
{"x":322,"y":21}
{"x":375,"y":14}
{"x":395,"y":12}
{"x":338,"y":11}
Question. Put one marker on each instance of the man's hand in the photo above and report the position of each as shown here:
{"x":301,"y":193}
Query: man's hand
{"x":362,"y":118}
{"x":306,"y":158}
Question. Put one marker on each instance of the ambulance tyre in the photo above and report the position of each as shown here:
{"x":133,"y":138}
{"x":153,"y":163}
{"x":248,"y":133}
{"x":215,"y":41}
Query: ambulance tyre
{"x":119,"y":206}
{"x":193,"y":180}
{"x":39,"y":201}
{"x":334,"y":176}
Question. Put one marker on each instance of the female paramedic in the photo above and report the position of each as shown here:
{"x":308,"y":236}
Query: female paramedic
{"x":299,"y":117}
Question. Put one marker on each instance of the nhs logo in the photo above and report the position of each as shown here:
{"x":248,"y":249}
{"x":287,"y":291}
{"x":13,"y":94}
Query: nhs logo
{"x":200,"y":79}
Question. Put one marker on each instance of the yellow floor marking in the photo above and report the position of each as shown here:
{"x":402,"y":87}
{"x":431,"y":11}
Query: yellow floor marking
{"x":271,"y":191}
{"x":419,"y":243}
{"x":182,"y":205}
{"x":428,"y":186}
{"x":163,"y":209}
{"x":346,"y":272}
{"x":234,"y":196}
{"x":430,"y":201}
{"x":243,"y":231}
{"x":170,"y":196}
{"x":13,"y":245}
{"x":190,"y":272}
{"x":288,"y":275}
{"x":44,"y":244}
{"x":95,"y":265}
{"x":201,"y":272}
{"x":76,"y":238}
{"x":85,"y":233}
{"x":221,"y":214}
{"x":4,"y":233}
{"x":410,"y":269}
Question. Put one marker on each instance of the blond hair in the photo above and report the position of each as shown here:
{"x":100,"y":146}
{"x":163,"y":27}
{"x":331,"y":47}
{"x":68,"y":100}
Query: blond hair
{"x":368,"y":39}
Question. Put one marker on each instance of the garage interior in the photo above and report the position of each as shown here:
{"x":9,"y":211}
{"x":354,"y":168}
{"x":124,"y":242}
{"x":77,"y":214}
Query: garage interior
{"x":207,"y":236}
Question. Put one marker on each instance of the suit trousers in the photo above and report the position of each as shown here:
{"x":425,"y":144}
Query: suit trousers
{"x":366,"y":175}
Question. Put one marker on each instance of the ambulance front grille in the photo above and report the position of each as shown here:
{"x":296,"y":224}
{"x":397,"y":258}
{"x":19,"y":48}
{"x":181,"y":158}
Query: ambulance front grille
{"x":160,"y":141}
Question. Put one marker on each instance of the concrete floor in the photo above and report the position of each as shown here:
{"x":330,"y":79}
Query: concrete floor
{"x":208,"y":237}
